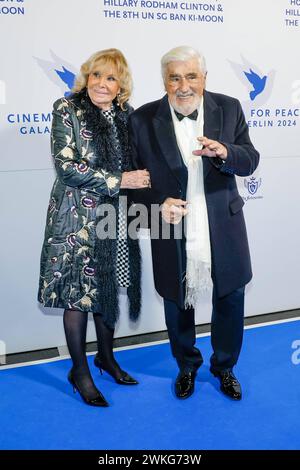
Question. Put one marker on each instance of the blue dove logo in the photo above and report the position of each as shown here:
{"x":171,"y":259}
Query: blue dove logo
{"x":60,"y":72}
{"x":257,"y":82}
{"x":67,"y":77}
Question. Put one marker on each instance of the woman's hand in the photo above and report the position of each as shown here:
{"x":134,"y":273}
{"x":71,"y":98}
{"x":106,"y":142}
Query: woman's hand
{"x":137,"y":179}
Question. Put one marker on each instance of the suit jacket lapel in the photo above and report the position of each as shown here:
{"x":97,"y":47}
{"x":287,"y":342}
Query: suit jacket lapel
{"x":165,"y":134}
{"x":164,"y":130}
{"x":213,"y":124}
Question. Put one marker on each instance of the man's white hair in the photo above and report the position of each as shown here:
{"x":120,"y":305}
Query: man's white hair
{"x":182,"y":53}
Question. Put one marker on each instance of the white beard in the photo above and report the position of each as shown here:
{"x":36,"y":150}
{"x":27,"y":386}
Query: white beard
{"x":188,"y":108}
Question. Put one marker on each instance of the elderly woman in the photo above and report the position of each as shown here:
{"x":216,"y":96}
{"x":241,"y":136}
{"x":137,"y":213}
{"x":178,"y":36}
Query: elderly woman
{"x":81,"y":270}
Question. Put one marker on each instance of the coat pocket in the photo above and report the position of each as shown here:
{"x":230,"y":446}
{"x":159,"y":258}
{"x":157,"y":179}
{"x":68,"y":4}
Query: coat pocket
{"x":236,"y":205}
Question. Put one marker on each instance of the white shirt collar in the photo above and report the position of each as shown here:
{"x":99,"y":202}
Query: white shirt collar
{"x":187,"y":131}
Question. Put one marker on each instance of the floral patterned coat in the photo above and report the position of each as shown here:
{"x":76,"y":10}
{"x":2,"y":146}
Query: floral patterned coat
{"x":67,"y":276}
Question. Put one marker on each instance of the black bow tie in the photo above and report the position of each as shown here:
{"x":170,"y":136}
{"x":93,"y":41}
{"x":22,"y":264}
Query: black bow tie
{"x":192,"y":116}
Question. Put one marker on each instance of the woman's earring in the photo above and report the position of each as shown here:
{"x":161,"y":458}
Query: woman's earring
{"x":118,"y":98}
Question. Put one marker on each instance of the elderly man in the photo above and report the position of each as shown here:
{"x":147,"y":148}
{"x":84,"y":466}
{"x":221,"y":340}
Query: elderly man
{"x":194,"y":142}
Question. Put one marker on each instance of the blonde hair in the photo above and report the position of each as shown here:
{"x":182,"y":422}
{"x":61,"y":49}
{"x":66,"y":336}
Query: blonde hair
{"x":107,"y":57}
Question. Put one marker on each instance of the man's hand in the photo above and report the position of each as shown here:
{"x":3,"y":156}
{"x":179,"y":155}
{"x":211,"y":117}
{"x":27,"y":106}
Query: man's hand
{"x":211,"y":148}
{"x":173,"y":210}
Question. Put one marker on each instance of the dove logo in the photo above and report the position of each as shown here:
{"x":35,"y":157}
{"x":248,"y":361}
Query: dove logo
{"x":259,"y":85}
{"x":67,"y":77}
{"x":59,"y":72}
{"x":257,"y":82}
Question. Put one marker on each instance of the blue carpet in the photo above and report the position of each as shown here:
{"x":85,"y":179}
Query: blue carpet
{"x":38,"y":409}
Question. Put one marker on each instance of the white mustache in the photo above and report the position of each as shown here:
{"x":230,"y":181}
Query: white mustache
{"x":184,"y":95}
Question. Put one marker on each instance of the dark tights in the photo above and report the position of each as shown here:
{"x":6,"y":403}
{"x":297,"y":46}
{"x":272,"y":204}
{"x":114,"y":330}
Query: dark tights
{"x":105,"y":337}
{"x":75,"y":325}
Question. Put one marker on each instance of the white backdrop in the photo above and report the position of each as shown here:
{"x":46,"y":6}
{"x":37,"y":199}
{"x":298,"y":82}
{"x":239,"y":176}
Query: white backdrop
{"x":41,"y":37}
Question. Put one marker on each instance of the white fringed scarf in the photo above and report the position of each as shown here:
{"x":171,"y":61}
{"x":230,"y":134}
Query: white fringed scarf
{"x":198,"y":268}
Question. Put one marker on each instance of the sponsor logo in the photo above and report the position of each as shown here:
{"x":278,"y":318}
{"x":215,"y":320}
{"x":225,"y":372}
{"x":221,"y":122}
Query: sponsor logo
{"x":252,"y":185}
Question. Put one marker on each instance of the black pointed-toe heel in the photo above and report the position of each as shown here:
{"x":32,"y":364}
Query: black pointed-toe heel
{"x":125,"y":379}
{"x":98,"y":400}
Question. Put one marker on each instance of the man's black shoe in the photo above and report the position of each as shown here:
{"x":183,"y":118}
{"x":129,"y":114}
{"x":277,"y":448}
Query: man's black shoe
{"x":185,"y":383}
{"x":230,"y":386}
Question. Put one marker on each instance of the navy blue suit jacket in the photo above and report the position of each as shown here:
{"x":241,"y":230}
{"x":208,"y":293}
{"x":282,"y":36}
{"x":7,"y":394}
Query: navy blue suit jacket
{"x":154,"y":147}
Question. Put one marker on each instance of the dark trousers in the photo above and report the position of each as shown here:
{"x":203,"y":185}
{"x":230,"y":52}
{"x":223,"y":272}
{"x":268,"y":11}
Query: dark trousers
{"x":227,"y":325}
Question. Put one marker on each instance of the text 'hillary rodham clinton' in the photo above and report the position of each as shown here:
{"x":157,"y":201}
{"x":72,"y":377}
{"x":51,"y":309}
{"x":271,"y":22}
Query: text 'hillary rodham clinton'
{"x":151,"y":459}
